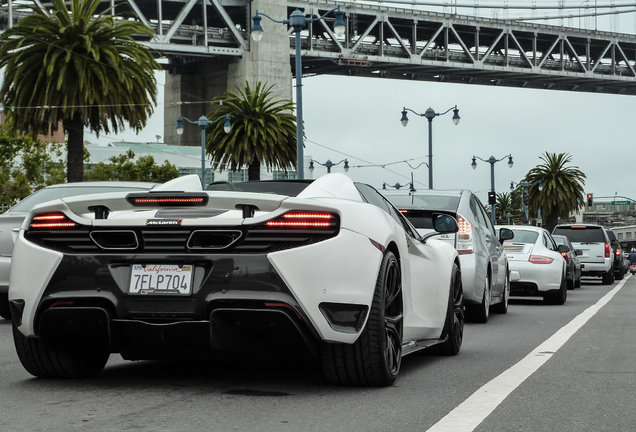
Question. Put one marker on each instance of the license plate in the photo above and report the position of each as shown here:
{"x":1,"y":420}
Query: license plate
{"x":161,"y":279}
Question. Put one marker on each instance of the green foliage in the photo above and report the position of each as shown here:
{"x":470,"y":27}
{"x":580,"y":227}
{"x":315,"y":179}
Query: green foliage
{"x":78,"y":67}
{"x":124,"y":167}
{"x":508,"y":203}
{"x":562,"y":192}
{"x":263,"y":131}
{"x":27,"y":165}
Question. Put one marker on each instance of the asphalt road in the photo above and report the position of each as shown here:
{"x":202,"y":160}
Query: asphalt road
{"x":538,"y":368}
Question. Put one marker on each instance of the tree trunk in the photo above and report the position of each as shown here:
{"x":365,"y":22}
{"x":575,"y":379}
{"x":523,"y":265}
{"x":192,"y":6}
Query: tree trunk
{"x":75,"y":156}
{"x":254,"y":170}
{"x":551,"y":221}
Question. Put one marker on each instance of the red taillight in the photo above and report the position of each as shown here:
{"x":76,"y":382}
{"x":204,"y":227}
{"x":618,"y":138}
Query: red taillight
{"x":619,"y":251}
{"x":51,"y":221}
{"x":464,"y":237}
{"x":608,"y":250}
{"x":304,"y":220}
{"x":164,"y":199}
{"x":538,"y":259}
{"x":564,"y":255}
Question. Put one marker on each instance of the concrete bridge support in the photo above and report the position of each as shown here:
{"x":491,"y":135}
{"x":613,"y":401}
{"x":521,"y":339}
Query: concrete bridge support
{"x":191,"y":87}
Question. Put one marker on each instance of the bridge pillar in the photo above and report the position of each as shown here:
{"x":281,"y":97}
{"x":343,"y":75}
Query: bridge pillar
{"x":191,"y":87}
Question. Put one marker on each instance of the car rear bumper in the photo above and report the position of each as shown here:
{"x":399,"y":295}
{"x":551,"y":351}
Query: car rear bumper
{"x":596,"y":268}
{"x":533,"y":279}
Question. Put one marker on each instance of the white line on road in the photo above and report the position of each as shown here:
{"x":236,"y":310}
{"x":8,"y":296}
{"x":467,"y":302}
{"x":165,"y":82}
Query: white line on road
{"x":474,"y":410}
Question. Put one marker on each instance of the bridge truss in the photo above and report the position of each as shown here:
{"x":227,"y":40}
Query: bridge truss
{"x":391,"y":42}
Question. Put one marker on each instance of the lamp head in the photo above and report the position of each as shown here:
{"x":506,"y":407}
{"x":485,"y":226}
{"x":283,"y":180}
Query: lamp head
{"x":512,"y":187}
{"x":227,"y":126}
{"x":510,"y":162}
{"x":474,"y":163}
{"x":346,"y":166}
{"x":404,"y":120}
{"x":456,"y":116}
{"x":339,"y":26}
{"x":311,"y":166}
{"x":540,"y":185}
{"x":257,"y":29}
{"x":179,"y":126}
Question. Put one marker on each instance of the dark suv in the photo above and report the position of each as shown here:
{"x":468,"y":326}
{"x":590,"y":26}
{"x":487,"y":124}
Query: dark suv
{"x":619,"y":262}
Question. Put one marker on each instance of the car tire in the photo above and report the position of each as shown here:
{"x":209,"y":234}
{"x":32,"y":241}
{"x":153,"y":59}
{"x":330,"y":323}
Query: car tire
{"x":559,"y":296}
{"x":608,"y":278}
{"x":42,"y":362}
{"x":481,"y":312}
{"x":502,"y":307}
{"x":375,"y":358}
{"x":454,"y":324}
{"x":620,"y":274}
{"x":577,"y":282}
{"x":5,"y":311}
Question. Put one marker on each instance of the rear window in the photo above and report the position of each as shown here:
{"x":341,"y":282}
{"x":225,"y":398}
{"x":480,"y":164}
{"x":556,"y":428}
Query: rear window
{"x":581,"y":233}
{"x":428,"y":202}
{"x":422,"y":219}
{"x":523,"y":236}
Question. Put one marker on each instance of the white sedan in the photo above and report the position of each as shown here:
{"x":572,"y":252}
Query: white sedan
{"x":327,"y":268}
{"x":537,"y":267}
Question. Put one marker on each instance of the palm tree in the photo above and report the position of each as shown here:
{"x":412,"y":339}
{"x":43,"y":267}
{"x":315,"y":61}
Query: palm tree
{"x":79,"y":68}
{"x":263,"y":131}
{"x":505,"y":205}
{"x":562,"y":191}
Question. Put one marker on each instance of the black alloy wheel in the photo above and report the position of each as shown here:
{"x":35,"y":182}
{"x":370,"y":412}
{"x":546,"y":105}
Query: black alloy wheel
{"x":375,"y":358}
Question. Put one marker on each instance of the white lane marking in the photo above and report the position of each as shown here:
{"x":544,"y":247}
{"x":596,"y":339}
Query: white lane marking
{"x":474,"y":410}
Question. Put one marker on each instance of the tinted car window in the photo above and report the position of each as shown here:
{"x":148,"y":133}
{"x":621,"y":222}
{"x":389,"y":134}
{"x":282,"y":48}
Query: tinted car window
{"x":522,"y":236}
{"x":583,"y":234}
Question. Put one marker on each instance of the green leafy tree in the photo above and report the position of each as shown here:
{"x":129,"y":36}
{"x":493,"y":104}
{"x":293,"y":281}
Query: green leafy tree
{"x":263,"y":131}
{"x":26,"y":165}
{"x":562,"y":192}
{"x":80,"y":68}
{"x":124,"y":167}
{"x":507,"y":203}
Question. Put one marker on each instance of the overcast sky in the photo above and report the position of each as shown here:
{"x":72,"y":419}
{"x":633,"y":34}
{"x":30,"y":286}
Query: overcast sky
{"x":359,"y":119}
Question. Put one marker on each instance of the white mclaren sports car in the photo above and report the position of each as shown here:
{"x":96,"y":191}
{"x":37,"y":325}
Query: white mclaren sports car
{"x":326,"y":268}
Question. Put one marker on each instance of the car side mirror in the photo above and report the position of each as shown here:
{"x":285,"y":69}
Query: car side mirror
{"x":505,"y":234}
{"x":442,"y":224}
{"x":563,"y":248}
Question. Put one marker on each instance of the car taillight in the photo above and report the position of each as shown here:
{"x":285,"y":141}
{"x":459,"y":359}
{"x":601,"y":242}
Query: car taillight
{"x":464,"y":236}
{"x":608,"y":250}
{"x":167,"y":199}
{"x":304,"y":220}
{"x":51,"y":221}
{"x":564,"y":255}
{"x":538,"y":259}
{"x":619,"y":251}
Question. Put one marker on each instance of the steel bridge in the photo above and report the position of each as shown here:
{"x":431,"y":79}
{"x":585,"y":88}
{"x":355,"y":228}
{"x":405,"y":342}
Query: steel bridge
{"x":392,"y":42}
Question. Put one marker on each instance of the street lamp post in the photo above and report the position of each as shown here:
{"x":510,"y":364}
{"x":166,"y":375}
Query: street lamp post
{"x":430,"y":114}
{"x":203,"y":122}
{"x":297,"y":21}
{"x":329,"y":165}
{"x":526,"y":186}
{"x":492,"y":161}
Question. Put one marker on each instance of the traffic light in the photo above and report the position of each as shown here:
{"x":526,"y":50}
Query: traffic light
{"x":492,"y":198}
{"x":525,"y":197}
{"x":590,"y":199}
